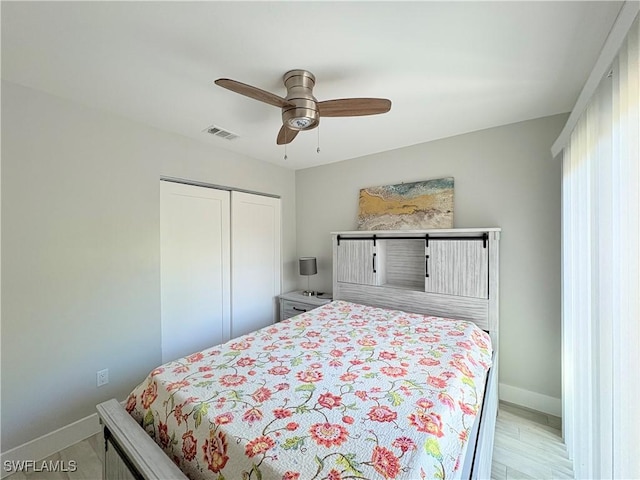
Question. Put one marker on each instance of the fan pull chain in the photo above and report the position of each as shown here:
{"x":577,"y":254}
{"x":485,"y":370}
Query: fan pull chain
{"x":285,"y":144}
{"x":318,"y":149}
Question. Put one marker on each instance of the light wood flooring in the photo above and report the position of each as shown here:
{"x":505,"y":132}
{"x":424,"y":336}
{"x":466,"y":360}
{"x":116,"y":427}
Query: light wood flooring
{"x":527,"y":445}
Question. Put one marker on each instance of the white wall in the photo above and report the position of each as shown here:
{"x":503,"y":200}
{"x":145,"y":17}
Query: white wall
{"x":80,"y":256}
{"x":504,"y":177}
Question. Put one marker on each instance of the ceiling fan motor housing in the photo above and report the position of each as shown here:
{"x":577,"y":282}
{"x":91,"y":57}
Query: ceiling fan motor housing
{"x":304,"y":114}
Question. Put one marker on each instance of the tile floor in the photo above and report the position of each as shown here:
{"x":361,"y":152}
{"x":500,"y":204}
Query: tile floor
{"x":529,"y":445}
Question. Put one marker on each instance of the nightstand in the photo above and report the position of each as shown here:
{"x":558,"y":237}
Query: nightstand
{"x":294,"y":303}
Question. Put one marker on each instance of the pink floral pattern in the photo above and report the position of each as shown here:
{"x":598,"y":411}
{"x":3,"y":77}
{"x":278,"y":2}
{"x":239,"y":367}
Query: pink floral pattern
{"x":344,"y":391}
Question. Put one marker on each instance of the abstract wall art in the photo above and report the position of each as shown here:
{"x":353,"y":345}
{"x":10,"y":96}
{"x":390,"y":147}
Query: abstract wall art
{"x":407,"y":206}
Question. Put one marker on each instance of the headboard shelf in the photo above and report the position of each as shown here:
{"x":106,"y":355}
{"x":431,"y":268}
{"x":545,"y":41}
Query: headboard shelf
{"x":405,"y":270}
{"x":412,"y":233}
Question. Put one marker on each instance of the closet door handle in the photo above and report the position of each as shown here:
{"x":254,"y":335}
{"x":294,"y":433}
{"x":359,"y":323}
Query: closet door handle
{"x":374,"y":263}
{"x":426,"y":266}
{"x":299,"y":309}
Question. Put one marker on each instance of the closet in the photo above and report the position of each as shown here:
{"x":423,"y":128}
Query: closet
{"x":220,"y":265}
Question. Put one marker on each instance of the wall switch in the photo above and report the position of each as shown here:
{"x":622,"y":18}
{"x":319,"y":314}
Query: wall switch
{"x":102,"y":377}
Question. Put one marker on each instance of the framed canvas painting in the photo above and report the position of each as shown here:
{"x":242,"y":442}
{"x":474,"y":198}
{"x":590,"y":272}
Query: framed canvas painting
{"x":407,"y":206}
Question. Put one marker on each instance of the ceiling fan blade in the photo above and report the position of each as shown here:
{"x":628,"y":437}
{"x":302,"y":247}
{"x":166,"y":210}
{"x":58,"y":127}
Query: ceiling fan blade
{"x":253,"y":92}
{"x":353,"y":107}
{"x":286,"y":135}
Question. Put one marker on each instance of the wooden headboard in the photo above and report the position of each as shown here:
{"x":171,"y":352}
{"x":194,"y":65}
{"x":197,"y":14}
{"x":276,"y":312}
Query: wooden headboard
{"x":446,"y":273}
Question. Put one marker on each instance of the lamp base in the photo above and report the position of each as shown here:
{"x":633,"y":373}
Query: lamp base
{"x":309,"y":293}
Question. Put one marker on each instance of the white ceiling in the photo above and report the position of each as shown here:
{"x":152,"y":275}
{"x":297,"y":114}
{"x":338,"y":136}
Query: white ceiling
{"x":448,"y":67}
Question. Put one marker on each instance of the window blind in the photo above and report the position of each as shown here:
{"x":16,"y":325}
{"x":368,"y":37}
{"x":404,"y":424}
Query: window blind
{"x":601,"y":280}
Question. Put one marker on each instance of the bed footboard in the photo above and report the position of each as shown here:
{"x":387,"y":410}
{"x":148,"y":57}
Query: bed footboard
{"x":130,"y":452}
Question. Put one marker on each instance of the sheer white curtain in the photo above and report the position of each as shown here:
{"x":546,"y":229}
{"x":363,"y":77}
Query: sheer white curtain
{"x":601,"y":280}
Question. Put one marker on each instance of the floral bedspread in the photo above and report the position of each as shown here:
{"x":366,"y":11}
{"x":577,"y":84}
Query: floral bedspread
{"x":343,"y":392}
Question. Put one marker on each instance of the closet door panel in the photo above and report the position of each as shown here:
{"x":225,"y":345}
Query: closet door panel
{"x":458,"y":267}
{"x":255,"y":238}
{"x":194,"y":268}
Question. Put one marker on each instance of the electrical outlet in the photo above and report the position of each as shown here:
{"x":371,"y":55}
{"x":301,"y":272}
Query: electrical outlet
{"x":102,"y":377}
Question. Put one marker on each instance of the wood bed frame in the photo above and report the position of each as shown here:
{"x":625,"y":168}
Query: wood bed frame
{"x":132,"y":454}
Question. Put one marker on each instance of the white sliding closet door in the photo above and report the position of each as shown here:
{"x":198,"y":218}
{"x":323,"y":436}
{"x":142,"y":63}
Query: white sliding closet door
{"x":255,"y":236}
{"x":195,"y":268}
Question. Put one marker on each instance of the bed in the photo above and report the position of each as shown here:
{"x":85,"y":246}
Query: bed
{"x":345,"y":391}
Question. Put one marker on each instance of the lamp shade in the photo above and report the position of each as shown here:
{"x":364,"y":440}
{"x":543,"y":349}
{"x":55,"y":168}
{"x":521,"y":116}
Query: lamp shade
{"x":308,"y":266}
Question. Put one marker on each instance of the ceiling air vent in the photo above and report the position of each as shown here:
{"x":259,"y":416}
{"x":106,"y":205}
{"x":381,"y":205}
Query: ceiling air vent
{"x":221,"y":132}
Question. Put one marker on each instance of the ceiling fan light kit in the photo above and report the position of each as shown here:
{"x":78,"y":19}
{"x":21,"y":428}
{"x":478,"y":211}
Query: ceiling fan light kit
{"x":300,"y":109}
{"x":303,"y":114}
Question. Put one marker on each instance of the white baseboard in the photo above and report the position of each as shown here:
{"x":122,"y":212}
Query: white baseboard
{"x":51,"y":443}
{"x":535,"y":401}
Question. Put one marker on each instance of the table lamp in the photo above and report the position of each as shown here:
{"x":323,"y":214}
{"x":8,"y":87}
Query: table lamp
{"x":308,"y":267}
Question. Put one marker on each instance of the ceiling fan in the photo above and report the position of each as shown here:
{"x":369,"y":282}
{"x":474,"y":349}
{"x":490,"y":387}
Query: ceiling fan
{"x":300,"y":109}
